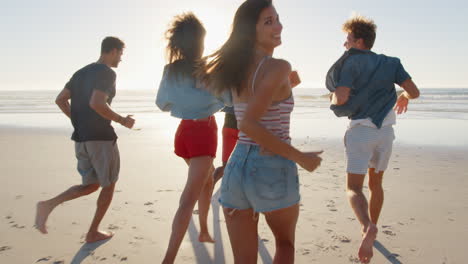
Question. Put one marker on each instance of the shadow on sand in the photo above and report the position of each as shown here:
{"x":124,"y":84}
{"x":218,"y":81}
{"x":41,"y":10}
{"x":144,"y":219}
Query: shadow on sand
{"x":201,"y":251}
{"x":87,"y":250}
{"x":391,"y":257}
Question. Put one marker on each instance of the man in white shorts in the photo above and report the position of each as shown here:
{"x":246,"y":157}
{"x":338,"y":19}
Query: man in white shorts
{"x":362,"y":86}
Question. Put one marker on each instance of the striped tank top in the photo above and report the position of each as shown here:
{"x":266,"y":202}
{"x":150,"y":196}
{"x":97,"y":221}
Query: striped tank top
{"x":276,"y":119}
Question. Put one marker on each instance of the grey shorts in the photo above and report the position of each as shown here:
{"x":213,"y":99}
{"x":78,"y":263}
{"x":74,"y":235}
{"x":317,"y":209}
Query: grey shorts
{"x":368,"y":147}
{"x":98,"y":162}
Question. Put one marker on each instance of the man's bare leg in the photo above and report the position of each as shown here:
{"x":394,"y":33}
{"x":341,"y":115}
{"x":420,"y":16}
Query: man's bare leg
{"x":359,"y":205}
{"x":44,"y":208}
{"x":103,"y":202}
{"x":376,"y":195}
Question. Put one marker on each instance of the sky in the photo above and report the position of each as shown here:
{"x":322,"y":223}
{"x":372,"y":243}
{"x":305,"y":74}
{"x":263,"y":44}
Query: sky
{"x":44,"y":42}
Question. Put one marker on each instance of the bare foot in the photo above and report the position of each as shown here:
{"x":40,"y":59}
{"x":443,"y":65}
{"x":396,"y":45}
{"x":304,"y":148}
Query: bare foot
{"x":217,"y":174}
{"x":42,"y":213}
{"x":365,"y":250}
{"x":205,"y":237}
{"x":98,"y":236}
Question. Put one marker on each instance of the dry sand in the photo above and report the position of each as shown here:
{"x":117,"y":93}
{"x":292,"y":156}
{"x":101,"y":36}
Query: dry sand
{"x":424,"y":219}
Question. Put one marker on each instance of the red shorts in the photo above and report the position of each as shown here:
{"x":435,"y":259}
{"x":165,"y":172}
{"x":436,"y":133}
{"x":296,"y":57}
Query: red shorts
{"x":230,"y":136}
{"x":195,"y":138}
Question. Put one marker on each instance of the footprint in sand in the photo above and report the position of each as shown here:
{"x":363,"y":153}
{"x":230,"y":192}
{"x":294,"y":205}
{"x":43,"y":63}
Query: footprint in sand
{"x":151,"y":211}
{"x":341,"y":238}
{"x":325,"y":248}
{"x":112,"y":227}
{"x":393,"y":256}
{"x":18,"y":226}
{"x":389,"y":233}
{"x":353,"y":259}
{"x":148,"y":203}
{"x":44,"y":259}
{"x":4,"y":248}
{"x":195,"y":212}
{"x":304,"y":251}
{"x":331,"y":205}
{"x":18,"y":197}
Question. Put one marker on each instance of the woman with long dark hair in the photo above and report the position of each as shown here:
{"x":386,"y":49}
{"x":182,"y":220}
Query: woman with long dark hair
{"x":261,"y":174}
{"x":196,"y":137}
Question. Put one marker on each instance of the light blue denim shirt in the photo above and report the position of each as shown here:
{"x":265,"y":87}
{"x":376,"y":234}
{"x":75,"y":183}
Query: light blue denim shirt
{"x":186,"y":98}
{"x":371,"y":78}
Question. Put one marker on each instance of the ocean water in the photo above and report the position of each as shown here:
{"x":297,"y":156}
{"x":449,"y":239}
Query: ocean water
{"x":439,"y":116}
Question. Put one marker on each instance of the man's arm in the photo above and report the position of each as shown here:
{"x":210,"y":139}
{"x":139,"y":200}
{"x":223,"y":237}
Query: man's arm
{"x":62,"y":101}
{"x":98,"y":103}
{"x":340,"y":96}
{"x":349,"y":72}
{"x":411,"y":92}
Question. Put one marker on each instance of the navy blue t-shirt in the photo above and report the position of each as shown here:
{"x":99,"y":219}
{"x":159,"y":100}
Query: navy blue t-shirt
{"x":89,"y":125}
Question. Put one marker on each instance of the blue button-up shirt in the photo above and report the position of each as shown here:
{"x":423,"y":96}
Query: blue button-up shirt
{"x":186,"y":98}
{"x":371,"y":78}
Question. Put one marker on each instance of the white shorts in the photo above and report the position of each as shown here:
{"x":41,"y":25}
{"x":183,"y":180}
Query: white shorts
{"x":368,"y":147}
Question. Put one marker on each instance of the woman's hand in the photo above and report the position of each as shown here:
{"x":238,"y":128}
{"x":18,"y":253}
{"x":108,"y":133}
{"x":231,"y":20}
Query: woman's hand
{"x":310,"y":160}
{"x":294,"y":79}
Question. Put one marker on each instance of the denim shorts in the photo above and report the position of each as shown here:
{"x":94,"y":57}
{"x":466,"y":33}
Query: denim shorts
{"x":262,"y":181}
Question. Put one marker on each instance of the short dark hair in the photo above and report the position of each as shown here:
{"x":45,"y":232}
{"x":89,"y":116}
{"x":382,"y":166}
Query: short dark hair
{"x":362,"y":28}
{"x":110,"y":43}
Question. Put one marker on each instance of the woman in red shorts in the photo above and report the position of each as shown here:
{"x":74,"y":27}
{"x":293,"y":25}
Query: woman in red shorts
{"x":231,"y":132}
{"x":196,"y":138}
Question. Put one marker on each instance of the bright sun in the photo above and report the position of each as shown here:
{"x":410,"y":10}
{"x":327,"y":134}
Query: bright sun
{"x":218,"y":27}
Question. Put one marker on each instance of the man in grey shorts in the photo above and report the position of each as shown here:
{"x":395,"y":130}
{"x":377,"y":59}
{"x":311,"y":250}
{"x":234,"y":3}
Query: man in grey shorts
{"x":90,"y":91}
{"x":362,"y":86}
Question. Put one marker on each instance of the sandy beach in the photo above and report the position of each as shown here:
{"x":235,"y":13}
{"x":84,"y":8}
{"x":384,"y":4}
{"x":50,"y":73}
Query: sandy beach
{"x":423,"y":220}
